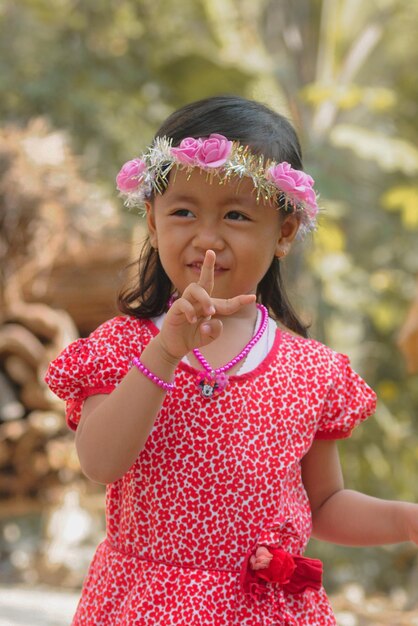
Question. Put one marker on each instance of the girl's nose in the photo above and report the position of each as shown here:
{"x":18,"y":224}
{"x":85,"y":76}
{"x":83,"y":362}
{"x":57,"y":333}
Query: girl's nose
{"x":208,"y":238}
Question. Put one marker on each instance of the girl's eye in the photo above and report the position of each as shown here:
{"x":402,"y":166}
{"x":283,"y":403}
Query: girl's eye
{"x":182,"y":213}
{"x":236,"y":215}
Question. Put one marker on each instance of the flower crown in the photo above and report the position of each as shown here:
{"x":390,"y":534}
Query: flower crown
{"x":139,"y":178}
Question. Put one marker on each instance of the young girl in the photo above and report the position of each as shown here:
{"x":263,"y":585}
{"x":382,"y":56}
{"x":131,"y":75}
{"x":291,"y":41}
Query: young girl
{"x":205,"y":409}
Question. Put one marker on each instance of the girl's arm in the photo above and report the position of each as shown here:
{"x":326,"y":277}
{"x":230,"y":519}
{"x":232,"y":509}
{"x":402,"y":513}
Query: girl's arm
{"x":347,"y":517}
{"x":114,"y":428}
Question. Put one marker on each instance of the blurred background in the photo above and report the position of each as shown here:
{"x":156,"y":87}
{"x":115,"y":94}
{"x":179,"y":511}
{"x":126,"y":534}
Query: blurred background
{"x":84,"y":85}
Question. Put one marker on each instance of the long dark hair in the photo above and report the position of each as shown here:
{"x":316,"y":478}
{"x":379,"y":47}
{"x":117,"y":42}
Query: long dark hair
{"x":265,"y":132}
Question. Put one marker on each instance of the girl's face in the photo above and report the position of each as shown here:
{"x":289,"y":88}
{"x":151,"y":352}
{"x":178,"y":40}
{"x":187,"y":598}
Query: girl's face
{"x":194,"y":215}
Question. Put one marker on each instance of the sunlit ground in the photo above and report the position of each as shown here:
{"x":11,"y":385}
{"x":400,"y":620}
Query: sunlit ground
{"x":36,"y":607}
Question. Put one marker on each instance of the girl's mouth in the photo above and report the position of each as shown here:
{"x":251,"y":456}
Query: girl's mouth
{"x":197,"y":267}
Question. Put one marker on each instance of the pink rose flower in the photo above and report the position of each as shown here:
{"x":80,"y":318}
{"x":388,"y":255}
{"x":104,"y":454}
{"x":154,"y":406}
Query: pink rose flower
{"x":186,"y":151}
{"x":130,"y":175}
{"x":296,"y":183}
{"x":214,"y":151}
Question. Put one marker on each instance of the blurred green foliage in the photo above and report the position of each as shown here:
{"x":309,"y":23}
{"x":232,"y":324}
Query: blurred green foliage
{"x":109,"y":72}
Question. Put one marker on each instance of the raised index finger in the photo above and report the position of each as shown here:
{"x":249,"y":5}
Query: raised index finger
{"x":207,"y":272}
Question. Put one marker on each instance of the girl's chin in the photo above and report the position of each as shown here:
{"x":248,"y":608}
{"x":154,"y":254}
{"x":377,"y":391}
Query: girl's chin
{"x":222,"y":289}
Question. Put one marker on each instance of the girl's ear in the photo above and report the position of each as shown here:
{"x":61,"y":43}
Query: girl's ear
{"x":151,"y":224}
{"x":288,"y":231}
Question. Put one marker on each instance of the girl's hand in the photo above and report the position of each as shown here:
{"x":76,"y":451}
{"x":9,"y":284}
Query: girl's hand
{"x":410,"y":520}
{"x":189,"y":323}
{"x":261,"y":559}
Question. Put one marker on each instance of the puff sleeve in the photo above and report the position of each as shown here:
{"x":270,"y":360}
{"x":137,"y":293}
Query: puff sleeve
{"x":349,"y":401}
{"x":89,"y":366}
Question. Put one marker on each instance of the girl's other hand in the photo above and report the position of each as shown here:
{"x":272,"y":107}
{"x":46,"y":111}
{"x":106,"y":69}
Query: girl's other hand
{"x":189,"y":323}
{"x":409,"y":513}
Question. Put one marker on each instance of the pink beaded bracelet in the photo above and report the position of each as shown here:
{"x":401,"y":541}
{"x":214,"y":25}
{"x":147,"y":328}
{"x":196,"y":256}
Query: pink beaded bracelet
{"x":155,"y":379}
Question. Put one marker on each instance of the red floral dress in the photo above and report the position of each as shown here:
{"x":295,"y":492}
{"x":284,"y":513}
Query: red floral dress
{"x":217,"y":477}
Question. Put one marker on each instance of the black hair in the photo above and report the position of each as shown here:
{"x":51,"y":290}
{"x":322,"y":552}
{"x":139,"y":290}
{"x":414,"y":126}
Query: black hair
{"x":266,"y":132}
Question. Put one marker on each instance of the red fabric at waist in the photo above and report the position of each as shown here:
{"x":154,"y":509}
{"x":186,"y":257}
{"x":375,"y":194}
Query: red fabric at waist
{"x":293,"y":573}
